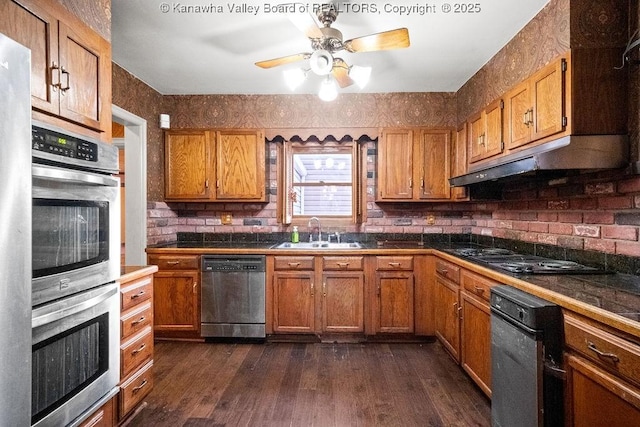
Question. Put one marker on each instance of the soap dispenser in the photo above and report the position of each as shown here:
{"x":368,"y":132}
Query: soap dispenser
{"x":295,"y":236}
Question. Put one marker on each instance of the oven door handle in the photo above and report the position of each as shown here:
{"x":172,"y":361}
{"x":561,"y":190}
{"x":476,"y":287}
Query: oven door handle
{"x":69,"y":175}
{"x":72,"y":305}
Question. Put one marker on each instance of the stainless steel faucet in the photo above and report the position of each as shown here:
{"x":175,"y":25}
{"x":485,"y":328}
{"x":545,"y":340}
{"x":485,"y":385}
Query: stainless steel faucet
{"x":315,"y":218}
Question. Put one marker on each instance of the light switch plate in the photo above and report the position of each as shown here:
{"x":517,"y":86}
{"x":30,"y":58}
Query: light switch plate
{"x":226,"y":218}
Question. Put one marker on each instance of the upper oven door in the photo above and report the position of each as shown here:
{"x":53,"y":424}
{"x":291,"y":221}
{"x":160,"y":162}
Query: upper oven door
{"x":76,"y":231}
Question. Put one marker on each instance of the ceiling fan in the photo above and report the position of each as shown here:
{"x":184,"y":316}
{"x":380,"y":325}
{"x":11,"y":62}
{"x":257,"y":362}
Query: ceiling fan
{"x":327,"y":41}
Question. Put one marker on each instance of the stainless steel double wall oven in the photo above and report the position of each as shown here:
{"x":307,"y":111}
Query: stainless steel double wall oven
{"x":76,"y":264}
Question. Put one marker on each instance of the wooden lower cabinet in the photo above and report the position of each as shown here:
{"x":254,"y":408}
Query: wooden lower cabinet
{"x":136,"y":339}
{"x":176,"y":289}
{"x":447,"y":315}
{"x":105,"y":416}
{"x":475,"y":340}
{"x":603,"y":375}
{"x":595,"y":397}
{"x":293,"y":302}
{"x":343,"y":300}
{"x":394,"y":295}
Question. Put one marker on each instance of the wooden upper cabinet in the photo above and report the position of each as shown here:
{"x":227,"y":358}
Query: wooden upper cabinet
{"x":459,"y":162}
{"x":485,"y":130}
{"x":395,"y":164}
{"x":187,"y":165}
{"x":434,"y":159}
{"x":240,"y":165}
{"x":414,"y":164}
{"x":211,"y":165}
{"x":70,"y":63}
{"x":547,"y":92}
{"x":534,"y":108}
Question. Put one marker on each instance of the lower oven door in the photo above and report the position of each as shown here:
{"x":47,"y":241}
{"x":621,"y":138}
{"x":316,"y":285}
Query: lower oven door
{"x":75,"y":358}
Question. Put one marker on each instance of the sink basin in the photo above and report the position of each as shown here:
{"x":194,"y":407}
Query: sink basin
{"x":318,"y":245}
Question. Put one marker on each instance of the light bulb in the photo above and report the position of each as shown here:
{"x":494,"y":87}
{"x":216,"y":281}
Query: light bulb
{"x":360,"y":75}
{"x":294,"y":77}
{"x":328,"y":90}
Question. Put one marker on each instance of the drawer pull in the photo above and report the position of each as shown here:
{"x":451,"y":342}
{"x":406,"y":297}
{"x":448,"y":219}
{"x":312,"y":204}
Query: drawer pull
{"x":140,"y":387}
{"x":479,"y":290}
{"x":138,"y":295}
{"x":293,"y":264}
{"x":137,"y":322}
{"x":173,"y":262}
{"x":442,"y":272}
{"x":601,"y":354}
{"x":138,"y":350}
{"x":394,"y":264}
{"x":343,"y":264}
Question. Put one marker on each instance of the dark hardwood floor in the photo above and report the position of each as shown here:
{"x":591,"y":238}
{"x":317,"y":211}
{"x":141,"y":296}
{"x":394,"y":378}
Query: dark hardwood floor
{"x":310,"y":384}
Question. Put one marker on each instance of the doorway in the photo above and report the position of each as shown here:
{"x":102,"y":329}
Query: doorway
{"x":134,"y":144}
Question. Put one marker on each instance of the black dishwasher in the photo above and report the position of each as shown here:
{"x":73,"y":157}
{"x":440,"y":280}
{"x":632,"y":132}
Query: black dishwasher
{"x":526,"y":347}
{"x":233,"y":296}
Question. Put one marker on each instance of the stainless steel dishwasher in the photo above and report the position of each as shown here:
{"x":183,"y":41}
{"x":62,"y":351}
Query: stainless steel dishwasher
{"x":526,"y":347}
{"x":233,"y":296}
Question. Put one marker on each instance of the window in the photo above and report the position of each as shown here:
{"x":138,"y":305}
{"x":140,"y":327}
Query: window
{"x":322,"y":179}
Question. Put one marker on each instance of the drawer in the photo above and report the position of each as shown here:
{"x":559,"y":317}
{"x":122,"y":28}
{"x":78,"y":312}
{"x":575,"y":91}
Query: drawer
{"x":448,"y":270}
{"x":136,"y":388}
{"x":135,"y":320}
{"x":394,"y":263}
{"x":342,"y":263}
{"x":616,"y":354}
{"x":477,"y":285}
{"x":175,"y":262}
{"x":293,"y":263}
{"x":135,"y":352}
{"x":136,"y":292}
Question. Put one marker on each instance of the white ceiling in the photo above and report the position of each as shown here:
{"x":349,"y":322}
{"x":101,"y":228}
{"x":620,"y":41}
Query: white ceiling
{"x":178,"y":52}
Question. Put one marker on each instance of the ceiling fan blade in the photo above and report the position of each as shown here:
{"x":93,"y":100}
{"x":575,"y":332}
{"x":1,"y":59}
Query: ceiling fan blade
{"x":340,"y":72}
{"x":307,"y":24}
{"x":270,"y":63}
{"x":393,"y":39}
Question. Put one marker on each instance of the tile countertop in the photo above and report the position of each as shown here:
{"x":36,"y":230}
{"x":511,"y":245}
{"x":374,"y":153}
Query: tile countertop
{"x":614,"y":293}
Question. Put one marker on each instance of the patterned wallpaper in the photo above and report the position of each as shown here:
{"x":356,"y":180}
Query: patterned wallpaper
{"x":94,"y":13}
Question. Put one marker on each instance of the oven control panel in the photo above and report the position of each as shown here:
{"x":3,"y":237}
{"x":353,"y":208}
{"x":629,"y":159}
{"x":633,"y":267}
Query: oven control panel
{"x":63,"y":145}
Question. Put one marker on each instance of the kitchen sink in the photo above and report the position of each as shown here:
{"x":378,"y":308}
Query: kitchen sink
{"x":318,"y":245}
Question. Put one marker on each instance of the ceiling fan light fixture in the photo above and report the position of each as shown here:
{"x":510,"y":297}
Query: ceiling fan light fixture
{"x":360,"y":75}
{"x":328,"y":89}
{"x":294,"y":77}
{"x":321,"y":62}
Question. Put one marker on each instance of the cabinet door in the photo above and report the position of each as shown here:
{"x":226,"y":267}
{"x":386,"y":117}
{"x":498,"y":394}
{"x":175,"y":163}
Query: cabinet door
{"x":476,"y":135}
{"x":395,"y":164}
{"x":394,"y":307}
{"x":85,"y":77}
{"x":475,"y":351}
{"x":547,"y":93}
{"x":493,"y":129}
{"x":343,"y":301}
{"x":176,"y":303}
{"x":597,"y":398}
{"x":240,"y":165}
{"x":434,"y":159}
{"x":293,"y":301}
{"x":518,"y":116}
{"x":459,"y":162}
{"x":187,"y":165}
{"x":35,"y":28}
{"x":447,"y":316}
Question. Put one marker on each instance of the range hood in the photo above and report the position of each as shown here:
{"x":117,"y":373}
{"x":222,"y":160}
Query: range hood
{"x":574,"y":152}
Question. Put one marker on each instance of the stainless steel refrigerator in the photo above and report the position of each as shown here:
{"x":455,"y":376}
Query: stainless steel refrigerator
{"x":15,"y":233}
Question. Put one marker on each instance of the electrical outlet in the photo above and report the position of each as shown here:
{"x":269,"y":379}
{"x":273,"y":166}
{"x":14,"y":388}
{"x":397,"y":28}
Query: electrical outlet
{"x":431,"y":219}
{"x":226,"y":218}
